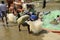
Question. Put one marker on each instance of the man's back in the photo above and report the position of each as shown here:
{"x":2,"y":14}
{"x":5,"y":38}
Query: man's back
{"x":3,"y":7}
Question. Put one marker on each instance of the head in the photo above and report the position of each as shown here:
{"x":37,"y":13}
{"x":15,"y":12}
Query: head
{"x":2,"y":2}
{"x":20,"y":7}
{"x":19,"y":0}
{"x":57,"y":15}
{"x":54,"y":19}
{"x":29,"y":6}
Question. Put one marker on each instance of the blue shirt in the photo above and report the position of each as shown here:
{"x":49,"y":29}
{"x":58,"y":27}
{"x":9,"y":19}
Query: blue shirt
{"x":33,"y":17}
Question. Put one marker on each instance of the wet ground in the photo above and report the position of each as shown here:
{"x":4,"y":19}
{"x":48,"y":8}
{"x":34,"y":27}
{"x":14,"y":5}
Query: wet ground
{"x":12,"y":33}
{"x":49,"y":6}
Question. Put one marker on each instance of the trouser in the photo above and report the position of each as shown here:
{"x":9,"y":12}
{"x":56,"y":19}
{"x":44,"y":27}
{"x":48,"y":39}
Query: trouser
{"x":4,"y":14}
{"x":18,"y":15}
{"x":24,"y":24}
{"x":44,"y":5}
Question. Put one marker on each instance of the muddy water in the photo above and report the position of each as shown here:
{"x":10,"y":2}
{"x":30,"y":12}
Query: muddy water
{"x":12,"y":33}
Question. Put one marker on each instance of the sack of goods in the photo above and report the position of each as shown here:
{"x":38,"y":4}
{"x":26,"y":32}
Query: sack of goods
{"x":11,"y":17}
{"x":35,"y":26}
{"x":22,"y":19}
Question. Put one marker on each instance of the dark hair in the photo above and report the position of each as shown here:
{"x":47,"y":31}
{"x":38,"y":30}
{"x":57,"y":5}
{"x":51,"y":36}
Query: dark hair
{"x":54,"y":19}
{"x":20,"y":7}
{"x":2,"y":2}
{"x":57,"y":15}
{"x":30,"y":6}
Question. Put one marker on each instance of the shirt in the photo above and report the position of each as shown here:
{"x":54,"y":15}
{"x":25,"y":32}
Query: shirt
{"x":3,"y":7}
{"x":33,"y":17}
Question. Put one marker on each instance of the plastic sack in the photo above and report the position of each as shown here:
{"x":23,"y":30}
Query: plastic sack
{"x":11,"y":17}
{"x":35,"y":26}
{"x":22,"y":19}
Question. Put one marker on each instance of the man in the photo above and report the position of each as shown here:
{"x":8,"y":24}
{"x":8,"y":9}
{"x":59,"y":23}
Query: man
{"x":3,"y":9}
{"x":44,"y":3}
{"x":9,"y":2}
{"x":58,"y":18}
{"x":22,"y":21}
